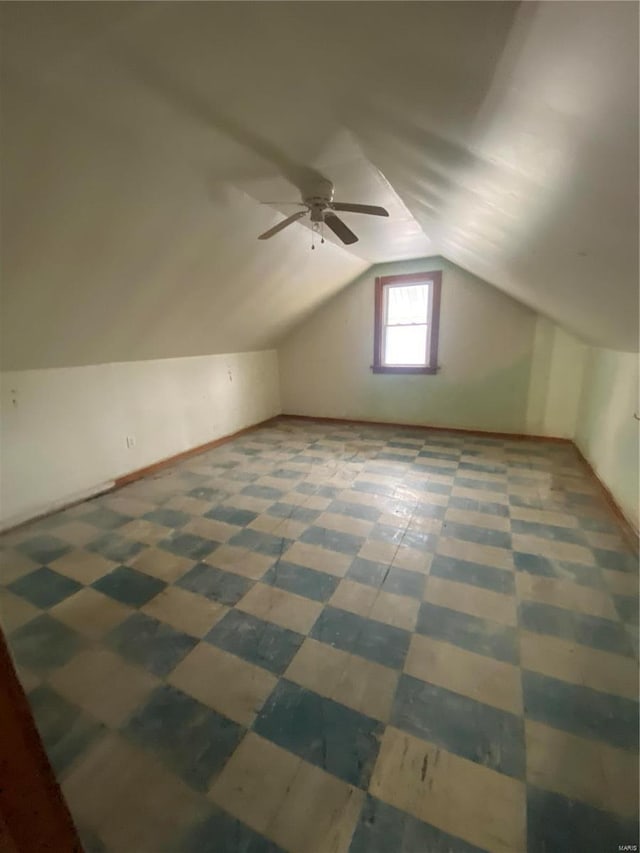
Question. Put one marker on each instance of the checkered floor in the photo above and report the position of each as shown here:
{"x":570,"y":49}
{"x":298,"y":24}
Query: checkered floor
{"x":337,"y":638}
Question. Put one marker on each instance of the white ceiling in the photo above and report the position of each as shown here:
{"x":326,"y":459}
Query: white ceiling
{"x":139,"y":139}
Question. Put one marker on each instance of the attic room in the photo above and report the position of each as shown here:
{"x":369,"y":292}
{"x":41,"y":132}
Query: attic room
{"x":319,"y":469}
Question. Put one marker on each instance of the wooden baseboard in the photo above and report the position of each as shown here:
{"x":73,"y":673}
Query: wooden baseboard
{"x":132,"y":476}
{"x":480,"y":432}
{"x":185,"y":454}
{"x":629,"y":529}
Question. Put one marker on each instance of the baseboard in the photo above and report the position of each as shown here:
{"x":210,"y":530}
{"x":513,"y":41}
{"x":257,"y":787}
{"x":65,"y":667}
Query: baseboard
{"x":21,"y":519}
{"x":481,"y":432}
{"x":629,"y":529}
{"x":131,"y":477}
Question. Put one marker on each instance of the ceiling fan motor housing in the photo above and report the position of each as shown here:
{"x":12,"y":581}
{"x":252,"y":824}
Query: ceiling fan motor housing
{"x":319,"y":199}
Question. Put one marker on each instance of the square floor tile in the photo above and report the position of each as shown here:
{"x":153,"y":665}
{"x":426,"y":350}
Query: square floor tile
{"x":566,"y":593}
{"x":90,"y":613}
{"x":255,"y":781}
{"x":224,"y":682}
{"x":457,"y":796}
{"x":82,"y":566}
{"x":149,"y":643}
{"x":129,"y":586}
{"x":473,"y":600}
{"x":46,"y":548}
{"x":574,"y":767}
{"x":470,"y":729}
{"x":215,"y":584}
{"x":318,"y":586}
{"x":580,"y":710}
{"x":219,"y":831}
{"x":262,"y":643}
{"x":603,"y":634}
{"x":558,"y":823}
{"x":168,"y":517}
{"x":185,"y":611}
{"x":240,"y":561}
{"x":354,"y":597}
{"x":323,"y":732}
{"x":162,"y":564}
{"x":619,"y":561}
{"x":15,"y":611}
{"x":333,"y":540}
{"x":44,"y":587}
{"x":14,"y":565}
{"x":320,"y":559}
{"x":103,"y":685}
{"x":482,"y":678}
{"x":397,"y":610}
{"x":153,"y":807}
{"x":577,"y":664}
{"x":382,"y":829}
{"x":231,"y":515}
{"x":188,"y":545}
{"x":263,"y":543}
{"x":191,"y":739}
{"x":281,"y":607}
{"x":365,"y":637}
{"x":307,"y":810}
{"x":463,"y":571}
{"x":105,"y":519}
{"x":469,"y":632}
{"x":44,"y":643}
{"x":144,"y":531}
{"x":65,"y":729}
{"x":353,"y":681}
{"x":114,"y":547}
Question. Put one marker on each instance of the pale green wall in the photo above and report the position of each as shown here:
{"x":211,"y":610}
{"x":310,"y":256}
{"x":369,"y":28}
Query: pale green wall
{"x":485,"y":354}
{"x":555,"y":384}
{"x":607,"y":432}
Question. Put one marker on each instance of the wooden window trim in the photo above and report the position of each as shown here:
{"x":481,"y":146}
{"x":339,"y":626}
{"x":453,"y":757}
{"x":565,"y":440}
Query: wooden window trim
{"x":435,"y":278}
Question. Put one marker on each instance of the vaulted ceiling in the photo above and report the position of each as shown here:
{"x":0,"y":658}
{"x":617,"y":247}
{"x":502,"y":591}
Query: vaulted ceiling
{"x":138,"y":140}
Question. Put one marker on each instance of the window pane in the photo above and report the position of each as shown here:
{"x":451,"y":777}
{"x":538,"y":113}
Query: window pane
{"x":405,"y":345}
{"x":407,"y":304}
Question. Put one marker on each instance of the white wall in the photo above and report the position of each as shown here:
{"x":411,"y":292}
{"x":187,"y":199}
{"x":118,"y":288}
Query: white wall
{"x":63,"y":430}
{"x":486,"y":345}
{"x":607,"y":432}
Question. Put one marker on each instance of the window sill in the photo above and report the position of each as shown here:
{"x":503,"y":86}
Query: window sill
{"x":379,"y":368}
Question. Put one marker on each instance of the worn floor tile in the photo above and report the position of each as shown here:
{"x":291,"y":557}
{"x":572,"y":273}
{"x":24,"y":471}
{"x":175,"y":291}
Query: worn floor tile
{"x":103,"y":685}
{"x":453,"y":794}
{"x":337,"y":637}
{"x":284,"y":608}
{"x":476,"y":676}
{"x":224,"y":682}
{"x":185,"y":611}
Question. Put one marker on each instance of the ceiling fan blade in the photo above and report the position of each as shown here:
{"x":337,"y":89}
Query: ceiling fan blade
{"x":283,"y":224}
{"x":340,"y":229}
{"x":371,"y":209}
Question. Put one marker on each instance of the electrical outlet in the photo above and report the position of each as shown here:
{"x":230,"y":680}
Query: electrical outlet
{"x":131,"y":441}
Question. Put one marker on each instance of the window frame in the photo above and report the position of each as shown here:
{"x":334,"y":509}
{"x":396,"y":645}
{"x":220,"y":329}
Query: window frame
{"x":433,"y":321}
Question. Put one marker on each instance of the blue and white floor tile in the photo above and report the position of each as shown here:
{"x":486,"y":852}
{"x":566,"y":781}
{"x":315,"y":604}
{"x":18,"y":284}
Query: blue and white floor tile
{"x":337,"y":638}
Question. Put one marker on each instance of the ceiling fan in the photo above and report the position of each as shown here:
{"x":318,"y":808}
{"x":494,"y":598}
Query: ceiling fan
{"x":321,"y":207}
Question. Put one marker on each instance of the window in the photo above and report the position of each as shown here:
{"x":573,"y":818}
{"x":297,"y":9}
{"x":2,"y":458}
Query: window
{"x":407,"y":313}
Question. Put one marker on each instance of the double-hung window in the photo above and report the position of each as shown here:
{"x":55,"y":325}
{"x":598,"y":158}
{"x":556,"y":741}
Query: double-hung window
{"x":407,"y":315}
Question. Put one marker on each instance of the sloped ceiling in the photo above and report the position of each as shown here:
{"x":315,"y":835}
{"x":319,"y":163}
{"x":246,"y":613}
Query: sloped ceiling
{"x":139,"y":139}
